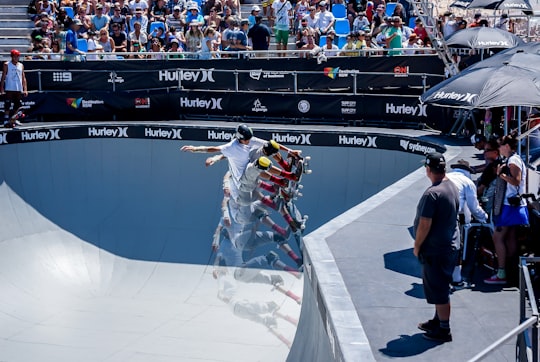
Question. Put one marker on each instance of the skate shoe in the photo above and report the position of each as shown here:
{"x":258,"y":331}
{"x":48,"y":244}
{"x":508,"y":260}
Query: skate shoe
{"x":439,"y":334}
{"x":429,"y":326}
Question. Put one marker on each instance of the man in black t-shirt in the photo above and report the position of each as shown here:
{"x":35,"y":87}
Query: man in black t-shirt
{"x":260,"y":35}
{"x":436,"y":237}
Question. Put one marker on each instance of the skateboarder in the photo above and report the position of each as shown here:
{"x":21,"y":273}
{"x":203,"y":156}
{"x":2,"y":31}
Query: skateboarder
{"x":13,"y":85}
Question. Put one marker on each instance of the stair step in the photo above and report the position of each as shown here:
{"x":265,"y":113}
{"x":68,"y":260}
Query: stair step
{"x":15,"y":41}
{"x":16,"y":3}
{"x":14,"y":10}
{"x":13,"y":16}
{"x":24,"y":24}
{"x":15,"y":32}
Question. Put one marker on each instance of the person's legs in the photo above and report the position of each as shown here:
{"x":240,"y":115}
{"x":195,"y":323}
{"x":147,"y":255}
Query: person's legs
{"x":499,"y":236}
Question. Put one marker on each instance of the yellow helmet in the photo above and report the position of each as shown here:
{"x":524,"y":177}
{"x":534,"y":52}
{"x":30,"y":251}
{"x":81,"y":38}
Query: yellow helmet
{"x":264,"y":163}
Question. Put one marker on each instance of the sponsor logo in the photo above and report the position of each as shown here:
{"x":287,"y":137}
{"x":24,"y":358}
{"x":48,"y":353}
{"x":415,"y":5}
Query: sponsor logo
{"x":48,"y":135}
{"x":419,"y":110}
{"x":514,"y":6}
{"x":142,"y":102}
{"x":258,"y":106}
{"x":493,"y":43}
{"x":200,"y":76}
{"x":220,"y":136}
{"x":348,"y":107}
{"x":401,"y":71}
{"x":304,"y":106}
{"x":113,"y":78}
{"x":415,"y":147}
{"x":330,"y":72}
{"x":3,"y":138}
{"x":212,"y":103}
{"x":257,"y":74}
{"x":367,"y":141}
{"x":171,"y":134}
{"x":460,"y":97}
{"x":62,"y":77}
{"x":114,"y":132}
{"x":300,"y":139}
{"x":334,"y":73}
{"x":82,"y":103}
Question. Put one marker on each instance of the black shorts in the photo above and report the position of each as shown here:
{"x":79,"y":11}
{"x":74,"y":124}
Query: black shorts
{"x":437,"y":275}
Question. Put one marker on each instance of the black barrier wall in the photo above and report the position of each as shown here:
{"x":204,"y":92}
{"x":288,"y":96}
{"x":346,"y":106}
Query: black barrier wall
{"x":306,"y":75}
{"x":380,"y":90}
{"x":155,"y":106}
{"x":369,"y":140}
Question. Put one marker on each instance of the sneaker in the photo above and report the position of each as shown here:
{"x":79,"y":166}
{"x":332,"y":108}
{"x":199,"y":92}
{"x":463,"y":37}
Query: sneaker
{"x":429,"y":326}
{"x":439,"y":335}
{"x":495,"y":280}
{"x":458,"y":285}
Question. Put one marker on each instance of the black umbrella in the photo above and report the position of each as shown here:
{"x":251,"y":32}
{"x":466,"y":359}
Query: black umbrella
{"x":482,"y":38}
{"x":512,"y":81}
{"x":500,"y":4}
{"x":462,"y":4}
{"x":507,"y":55}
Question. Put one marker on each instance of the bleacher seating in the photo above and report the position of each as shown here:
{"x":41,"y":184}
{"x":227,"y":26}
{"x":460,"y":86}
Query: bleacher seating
{"x":322,"y":40}
{"x":155,"y":25}
{"x":69,"y":11}
{"x":390,"y":8}
{"x":342,"y":27}
{"x":339,"y":11}
{"x":412,"y":21}
{"x":82,"y":45}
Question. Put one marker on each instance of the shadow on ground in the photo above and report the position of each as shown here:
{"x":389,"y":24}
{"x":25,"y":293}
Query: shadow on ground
{"x":406,"y":346}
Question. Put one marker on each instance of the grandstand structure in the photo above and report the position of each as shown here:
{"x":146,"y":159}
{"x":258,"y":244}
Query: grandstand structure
{"x":15,"y":25}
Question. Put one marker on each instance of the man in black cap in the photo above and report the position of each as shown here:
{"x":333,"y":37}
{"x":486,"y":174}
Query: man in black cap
{"x":260,"y":35}
{"x":436,"y":237}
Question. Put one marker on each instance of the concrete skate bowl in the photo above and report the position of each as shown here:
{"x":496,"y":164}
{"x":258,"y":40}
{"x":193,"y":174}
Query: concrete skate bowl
{"x":106,"y":233}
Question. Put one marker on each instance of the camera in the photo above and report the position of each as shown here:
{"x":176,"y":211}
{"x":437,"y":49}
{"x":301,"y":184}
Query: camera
{"x":514,"y":200}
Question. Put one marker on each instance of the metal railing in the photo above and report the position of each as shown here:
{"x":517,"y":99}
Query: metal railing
{"x":238,"y":86}
{"x":526,"y":345}
{"x":263,"y":54}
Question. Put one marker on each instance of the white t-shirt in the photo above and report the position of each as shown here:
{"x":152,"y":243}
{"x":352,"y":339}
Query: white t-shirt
{"x":238,"y":156}
{"x":281,"y":12}
{"x":514,"y":190}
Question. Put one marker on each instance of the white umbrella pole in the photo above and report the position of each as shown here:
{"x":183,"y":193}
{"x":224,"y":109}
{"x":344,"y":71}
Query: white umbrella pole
{"x":519,"y":127}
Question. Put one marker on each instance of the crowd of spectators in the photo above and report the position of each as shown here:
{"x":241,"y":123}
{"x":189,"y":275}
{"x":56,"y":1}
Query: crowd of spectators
{"x":97,"y":29}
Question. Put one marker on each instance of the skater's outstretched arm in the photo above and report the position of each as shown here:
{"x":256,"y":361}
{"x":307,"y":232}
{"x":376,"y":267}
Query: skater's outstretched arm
{"x":201,"y":149}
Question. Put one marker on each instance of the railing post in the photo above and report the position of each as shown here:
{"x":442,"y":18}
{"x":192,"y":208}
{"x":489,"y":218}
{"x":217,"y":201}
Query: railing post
{"x":236,"y":83}
{"x":295,"y":77}
{"x":39,"y":81}
{"x":355,"y":83}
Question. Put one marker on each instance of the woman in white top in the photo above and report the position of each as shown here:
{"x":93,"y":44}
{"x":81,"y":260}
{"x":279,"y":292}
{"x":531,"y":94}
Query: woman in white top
{"x":514,"y":209}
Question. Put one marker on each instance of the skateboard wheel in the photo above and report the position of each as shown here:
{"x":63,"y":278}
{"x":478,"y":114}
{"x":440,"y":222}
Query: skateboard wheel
{"x":307,"y":158}
{"x":308,"y":172}
{"x":306,"y":217}
{"x":299,"y":194}
{"x":300,"y":187}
